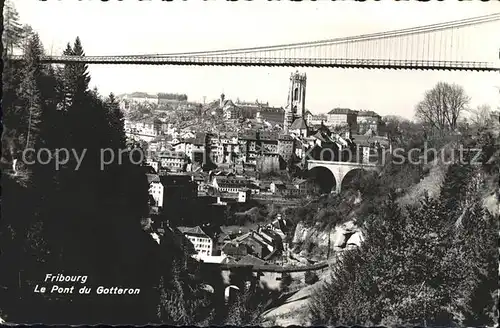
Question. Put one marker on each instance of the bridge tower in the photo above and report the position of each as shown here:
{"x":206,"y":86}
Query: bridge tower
{"x":296,"y":105}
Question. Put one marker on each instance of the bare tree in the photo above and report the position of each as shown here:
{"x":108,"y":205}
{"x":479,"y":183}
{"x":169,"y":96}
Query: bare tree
{"x":442,"y":106}
{"x":481,"y":116}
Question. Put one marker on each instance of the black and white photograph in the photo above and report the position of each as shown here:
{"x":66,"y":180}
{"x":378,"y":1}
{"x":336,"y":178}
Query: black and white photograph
{"x":250,"y":163}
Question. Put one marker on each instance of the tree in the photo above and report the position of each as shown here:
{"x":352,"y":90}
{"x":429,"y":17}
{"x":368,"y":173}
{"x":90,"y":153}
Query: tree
{"x":22,"y":101}
{"x":392,"y":126}
{"x":30,"y":87}
{"x":116,"y":121}
{"x":442,"y":106}
{"x":473,"y":260}
{"x":481,"y":116}
{"x":27,"y":32}
{"x":12,"y":30}
{"x":403,"y":132}
{"x":75,"y":77}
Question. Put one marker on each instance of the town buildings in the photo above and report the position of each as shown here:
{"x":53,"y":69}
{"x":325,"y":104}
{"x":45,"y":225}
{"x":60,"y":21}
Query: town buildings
{"x":299,"y":128}
{"x":367,"y":115}
{"x":229,"y":110}
{"x":256,"y":139}
{"x":313,"y":120}
{"x":275,"y":115}
{"x":128,"y":100}
{"x":146,"y":129}
{"x":156,"y":189}
{"x":202,"y":243}
{"x":174,"y":161}
{"x":369,"y":121}
{"x":192,"y":148}
{"x":238,"y":188}
{"x":136,"y":98}
{"x":265,"y":243}
{"x":286,"y":145}
{"x":295,"y":188}
{"x":342,"y":117}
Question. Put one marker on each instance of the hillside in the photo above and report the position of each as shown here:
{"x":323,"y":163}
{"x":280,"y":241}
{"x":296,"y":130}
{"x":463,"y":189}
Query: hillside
{"x":316,"y":240}
{"x":431,"y":183}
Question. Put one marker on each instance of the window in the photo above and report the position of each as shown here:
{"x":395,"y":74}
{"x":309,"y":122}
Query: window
{"x":296,"y":94}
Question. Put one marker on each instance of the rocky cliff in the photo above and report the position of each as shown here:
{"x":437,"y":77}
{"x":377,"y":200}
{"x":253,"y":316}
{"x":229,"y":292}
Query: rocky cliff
{"x":316,"y":243}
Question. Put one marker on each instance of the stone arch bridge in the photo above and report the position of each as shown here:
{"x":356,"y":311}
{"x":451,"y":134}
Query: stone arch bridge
{"x":340,"y":170}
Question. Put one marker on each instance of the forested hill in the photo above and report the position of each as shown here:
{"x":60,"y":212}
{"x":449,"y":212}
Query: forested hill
{"x":77,"y":218}
{"x":428,"y":258}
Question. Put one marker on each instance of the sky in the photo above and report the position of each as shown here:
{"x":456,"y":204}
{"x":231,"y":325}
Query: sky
{"x":141,"y":27}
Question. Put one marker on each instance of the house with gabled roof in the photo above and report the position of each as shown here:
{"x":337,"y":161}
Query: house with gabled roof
{"x":299,"y":127}
{"x":156,"y":189}
{"x":252,"y":260}
{"x":364,"y":115}
{"x":251,"y":243}
{"x":342,"y":117}
{"x":202,"y":243}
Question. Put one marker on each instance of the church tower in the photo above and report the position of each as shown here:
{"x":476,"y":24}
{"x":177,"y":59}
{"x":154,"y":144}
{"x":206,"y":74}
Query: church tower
{"x":296,"y":106}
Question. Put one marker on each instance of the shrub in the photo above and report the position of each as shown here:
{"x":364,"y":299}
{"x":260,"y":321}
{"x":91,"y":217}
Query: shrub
{"x":311,"y":277}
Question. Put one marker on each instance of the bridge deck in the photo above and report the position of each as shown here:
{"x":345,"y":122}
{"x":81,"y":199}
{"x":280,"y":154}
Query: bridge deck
{"x":267,"y":61}
{"x":342,"y":163}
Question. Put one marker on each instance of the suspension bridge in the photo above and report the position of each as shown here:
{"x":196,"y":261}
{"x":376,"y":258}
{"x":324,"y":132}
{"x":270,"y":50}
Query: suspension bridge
{"x":444,"y":46}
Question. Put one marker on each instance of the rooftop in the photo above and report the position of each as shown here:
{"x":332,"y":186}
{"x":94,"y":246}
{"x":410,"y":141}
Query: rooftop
{"x":174,"y":179}
{"x":227,"y":103}
{"x":318,"y":135}
{"x":250,"y":259}
{"x":213,"y":259}
{"x":285,"y":137}
{"x":267,"y":135}
{"x":192,"y":231}
{"x":299,"y":124}
{"x":236,"y":185}
{"x":248,"y":135}
{"x":342,"y":111}
{"x":153,"y":177}
{"x":368,"y":113}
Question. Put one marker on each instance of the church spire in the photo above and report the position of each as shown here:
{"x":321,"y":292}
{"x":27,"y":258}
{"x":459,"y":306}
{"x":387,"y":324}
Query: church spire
{"x":296,"y":99}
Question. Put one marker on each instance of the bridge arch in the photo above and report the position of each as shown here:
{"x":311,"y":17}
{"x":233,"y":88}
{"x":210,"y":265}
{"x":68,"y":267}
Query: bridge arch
{"x":352,"y":176}
{"x":340,"y":170}
{"x":324,"y":179}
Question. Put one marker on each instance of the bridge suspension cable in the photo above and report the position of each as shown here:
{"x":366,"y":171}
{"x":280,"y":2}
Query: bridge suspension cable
{"x":364,"y":37}
{"x":437,"y":46}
